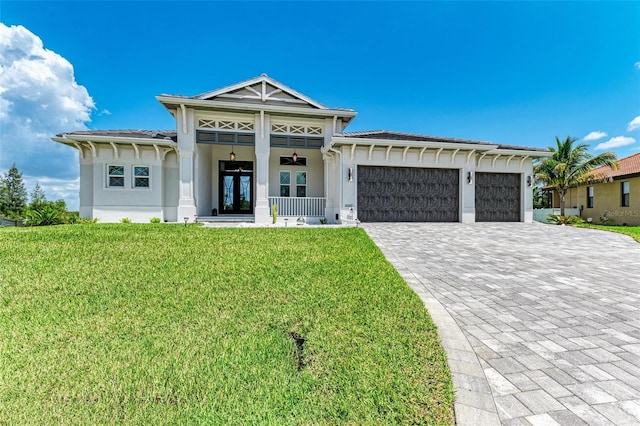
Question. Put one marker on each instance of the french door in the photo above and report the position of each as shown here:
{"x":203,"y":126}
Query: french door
{"x":236,"y":190}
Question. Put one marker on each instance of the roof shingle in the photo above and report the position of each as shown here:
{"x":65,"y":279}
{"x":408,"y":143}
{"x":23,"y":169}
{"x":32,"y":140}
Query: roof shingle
{"x":626,"y":166}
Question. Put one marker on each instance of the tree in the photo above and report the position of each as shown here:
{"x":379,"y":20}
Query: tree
{"x":38,"y":198}
{"x":14,"y":194}
{"x":570,"y":166}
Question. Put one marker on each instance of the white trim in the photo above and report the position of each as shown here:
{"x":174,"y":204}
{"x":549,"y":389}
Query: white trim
{"x":115,"y":150}
{"x":263,"y":79}
{"x":133,"y":177}
{"x":240,"y":106}
{"x":404,"y":153}
{"x":108,"y":176}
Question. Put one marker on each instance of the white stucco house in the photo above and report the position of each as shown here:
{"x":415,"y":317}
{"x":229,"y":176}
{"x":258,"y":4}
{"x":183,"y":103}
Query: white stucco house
{"x":238,"y":150}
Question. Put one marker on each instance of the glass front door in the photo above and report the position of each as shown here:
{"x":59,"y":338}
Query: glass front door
{"x":236,"y":191}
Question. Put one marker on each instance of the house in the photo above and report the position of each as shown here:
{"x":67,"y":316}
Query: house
{"x":611,"y":196}
{"x":238,"y":150}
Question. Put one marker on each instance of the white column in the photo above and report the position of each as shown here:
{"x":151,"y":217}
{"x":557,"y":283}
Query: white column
{"x":261,"y":172}
{"x":331,"y":190}
{"x":186,"y":156}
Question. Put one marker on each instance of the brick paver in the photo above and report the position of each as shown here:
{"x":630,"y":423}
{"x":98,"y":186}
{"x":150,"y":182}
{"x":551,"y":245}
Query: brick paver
{"x":551,"y":315}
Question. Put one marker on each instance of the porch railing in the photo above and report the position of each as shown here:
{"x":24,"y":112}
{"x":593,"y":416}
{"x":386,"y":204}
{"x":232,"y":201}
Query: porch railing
{"x":299,"y":206}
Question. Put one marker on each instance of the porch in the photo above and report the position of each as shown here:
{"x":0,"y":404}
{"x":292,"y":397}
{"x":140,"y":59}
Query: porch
{"x":306,"y":207}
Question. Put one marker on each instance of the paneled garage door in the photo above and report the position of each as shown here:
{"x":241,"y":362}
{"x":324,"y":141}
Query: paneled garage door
{"x":497,"y":197}
{"x":407,"y":194}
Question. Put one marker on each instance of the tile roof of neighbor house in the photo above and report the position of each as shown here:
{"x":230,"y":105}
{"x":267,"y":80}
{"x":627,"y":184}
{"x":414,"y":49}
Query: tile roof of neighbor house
{"x":626,"y":166}
{"x":147,"y":134}
{"x":390,"y":135}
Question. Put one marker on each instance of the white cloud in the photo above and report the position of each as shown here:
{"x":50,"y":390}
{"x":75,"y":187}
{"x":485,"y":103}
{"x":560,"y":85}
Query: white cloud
{"x":634,"y":124}
{"x":595,"y":135}
{"x":39,"y":97}
{"x":637,"y":64}
{"x":616,"y":142}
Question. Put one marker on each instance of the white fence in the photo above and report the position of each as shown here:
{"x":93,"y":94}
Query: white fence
{"x":540,"y":215}
{"x":299,"y":206}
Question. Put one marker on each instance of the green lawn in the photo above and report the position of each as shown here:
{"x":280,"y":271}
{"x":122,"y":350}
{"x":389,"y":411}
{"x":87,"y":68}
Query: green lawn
{"x":162,"y":324}
{"x":632,"y":231}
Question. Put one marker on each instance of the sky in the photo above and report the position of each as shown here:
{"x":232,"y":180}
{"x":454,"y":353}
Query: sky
{"x":517,"y":73}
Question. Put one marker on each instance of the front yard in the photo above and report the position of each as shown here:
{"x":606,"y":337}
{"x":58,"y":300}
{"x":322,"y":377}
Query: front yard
{"x":162,"y":324}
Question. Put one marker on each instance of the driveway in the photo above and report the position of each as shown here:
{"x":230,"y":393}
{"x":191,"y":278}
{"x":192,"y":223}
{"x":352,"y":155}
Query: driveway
{"x":541,"y":323}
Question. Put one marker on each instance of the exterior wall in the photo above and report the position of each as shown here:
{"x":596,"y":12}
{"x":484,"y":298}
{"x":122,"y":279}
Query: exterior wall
{"x":314,"y":169}
{"x":398,"y":158}
{"x":607,"y":200}
{"x":86,"y":187}
{"x":431,"y":159}
{"x":110,"y":204}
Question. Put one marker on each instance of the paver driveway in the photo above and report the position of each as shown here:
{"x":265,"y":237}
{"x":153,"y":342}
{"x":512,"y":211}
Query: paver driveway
{"x":541,"y":323}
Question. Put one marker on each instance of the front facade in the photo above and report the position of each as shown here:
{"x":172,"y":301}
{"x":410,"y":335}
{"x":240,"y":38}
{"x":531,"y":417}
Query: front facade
{"x":610,"y":196}
{"x":247,"y":149}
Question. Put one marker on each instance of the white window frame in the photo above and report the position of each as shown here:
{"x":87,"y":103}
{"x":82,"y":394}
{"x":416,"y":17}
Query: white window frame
{"x":281,"y":184}
{"x":109,"y":176}
{"x":133,"y":177}
{"x":306,"y":179}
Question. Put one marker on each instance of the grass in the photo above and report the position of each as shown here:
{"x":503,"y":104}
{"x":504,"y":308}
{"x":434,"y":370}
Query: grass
{"x":162,"y":324}
{"x":632,"y":231}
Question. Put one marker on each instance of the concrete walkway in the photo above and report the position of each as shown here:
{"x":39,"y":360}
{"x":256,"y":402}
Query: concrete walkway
{"x":541,"y":323}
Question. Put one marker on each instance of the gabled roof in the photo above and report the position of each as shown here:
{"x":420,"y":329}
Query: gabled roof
{"x":263,"y":89}
{"x":626,"y":167}
{"x":261,"y":93}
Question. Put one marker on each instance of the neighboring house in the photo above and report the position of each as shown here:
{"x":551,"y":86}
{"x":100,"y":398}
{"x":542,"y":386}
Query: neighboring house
{"x":240,"y":149}
{"x":610,"y":194}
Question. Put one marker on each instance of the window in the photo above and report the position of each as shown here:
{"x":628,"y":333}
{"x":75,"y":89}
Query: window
{"x":285,"y":184}
{"x":589,"y":197}
{"x":301,"y":184}
{"x":288,"y":161}
{"x":140,"y":177}
{"x":115,"y":176}
{"x":625,"y":194}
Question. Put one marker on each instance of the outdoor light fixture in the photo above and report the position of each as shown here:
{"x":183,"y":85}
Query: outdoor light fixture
{"x":529,"y":180}
{"x":186,"y":219}
{"x":469,"y":178}
{"x":232,"y":156}
{"x":294,"y":157}
{"x":350,"y":174}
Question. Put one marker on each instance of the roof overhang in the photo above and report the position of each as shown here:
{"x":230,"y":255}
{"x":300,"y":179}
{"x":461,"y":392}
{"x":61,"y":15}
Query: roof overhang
{"x":173,"y":103}
{"x":481,"y":148}
{"x":70,"y":139}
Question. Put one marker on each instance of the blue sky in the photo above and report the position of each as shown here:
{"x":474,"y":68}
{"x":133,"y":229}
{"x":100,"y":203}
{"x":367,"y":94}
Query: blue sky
{"x":516,"y":73}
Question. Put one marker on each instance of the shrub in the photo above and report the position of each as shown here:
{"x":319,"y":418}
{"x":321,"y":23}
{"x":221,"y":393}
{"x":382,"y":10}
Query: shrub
{"x":47,"y":215}
{"x":86,"y":221}
{"x":274,"y":212}
{"x":155,"y":220}
{"x":125,"y":220}
{"x":323,"y":220}
{"x":564,"y":220}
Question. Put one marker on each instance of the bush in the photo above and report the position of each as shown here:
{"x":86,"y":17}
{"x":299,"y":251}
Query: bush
{"x":87,"y":221}
{"x":564,"y":220}
{"x":47,"y":215}
{"x":323,"y":220}
{"x":155,"y":220}
{"x":125,"y":220}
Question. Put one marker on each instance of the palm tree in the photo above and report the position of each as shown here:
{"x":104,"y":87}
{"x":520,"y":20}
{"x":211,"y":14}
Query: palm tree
{"x":570,"y":166}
